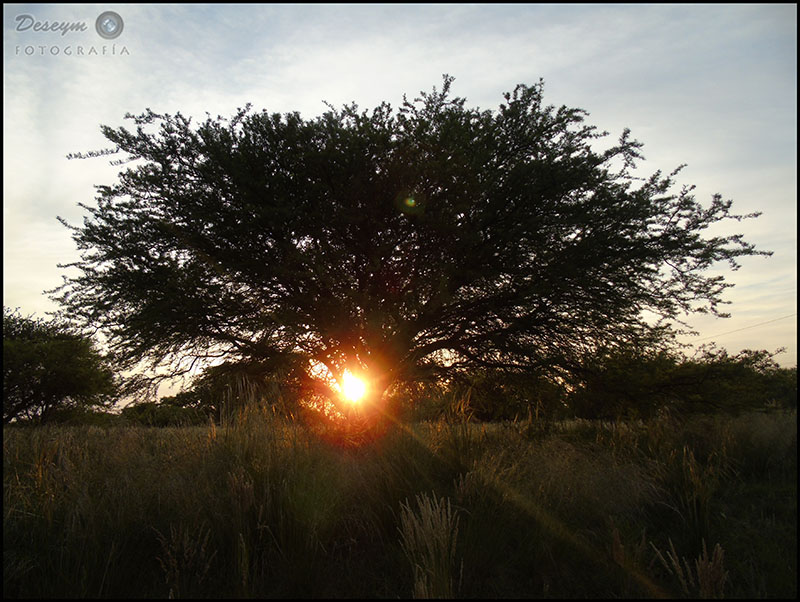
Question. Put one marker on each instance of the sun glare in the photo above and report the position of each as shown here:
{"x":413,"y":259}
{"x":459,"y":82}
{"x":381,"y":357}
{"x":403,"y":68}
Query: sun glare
{"x":353,"y":387}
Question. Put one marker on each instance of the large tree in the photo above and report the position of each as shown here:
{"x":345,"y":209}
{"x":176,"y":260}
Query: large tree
{"x":400,"y":245}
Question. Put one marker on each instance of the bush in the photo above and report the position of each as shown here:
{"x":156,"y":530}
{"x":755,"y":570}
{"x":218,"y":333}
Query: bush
{"x":160,"y":414}
{"x":84,"y":416}
{"x":639,"y":384}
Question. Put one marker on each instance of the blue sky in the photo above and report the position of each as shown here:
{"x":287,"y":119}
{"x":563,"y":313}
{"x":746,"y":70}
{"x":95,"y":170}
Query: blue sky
{"x":713,"y":86}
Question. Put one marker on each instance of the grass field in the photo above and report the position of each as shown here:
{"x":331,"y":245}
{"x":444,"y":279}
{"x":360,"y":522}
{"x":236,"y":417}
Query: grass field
{"x":700,"y":508}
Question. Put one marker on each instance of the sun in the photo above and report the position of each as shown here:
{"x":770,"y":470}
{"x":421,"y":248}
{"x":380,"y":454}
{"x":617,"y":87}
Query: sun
{"x":353,"y":388}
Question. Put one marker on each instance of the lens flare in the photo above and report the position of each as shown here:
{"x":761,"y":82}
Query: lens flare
{"x":410,"y":202}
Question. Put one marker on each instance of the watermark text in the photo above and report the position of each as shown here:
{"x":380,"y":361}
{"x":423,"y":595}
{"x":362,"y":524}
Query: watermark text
{"x":27,"y":23}
{"x":104,"y":50}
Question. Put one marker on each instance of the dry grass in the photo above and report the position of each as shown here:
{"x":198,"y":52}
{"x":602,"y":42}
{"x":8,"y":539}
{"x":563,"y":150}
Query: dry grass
{"x":185,"y":559}
{"x":429,"y":537}
{"x":709,"y":576}
{"x":261,"y":509}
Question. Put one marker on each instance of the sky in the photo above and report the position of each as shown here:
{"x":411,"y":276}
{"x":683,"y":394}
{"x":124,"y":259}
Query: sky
{"x":711,"y":86}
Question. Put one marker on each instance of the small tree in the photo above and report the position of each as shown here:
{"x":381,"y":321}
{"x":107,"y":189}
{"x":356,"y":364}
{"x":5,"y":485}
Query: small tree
{"x":48,"y":366}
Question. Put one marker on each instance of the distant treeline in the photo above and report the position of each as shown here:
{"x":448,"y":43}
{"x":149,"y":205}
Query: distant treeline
{"x":606,"y":386}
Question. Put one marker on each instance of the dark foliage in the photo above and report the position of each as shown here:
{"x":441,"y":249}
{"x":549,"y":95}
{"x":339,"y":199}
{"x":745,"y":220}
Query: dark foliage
{"x":617,"y":383}
{"x":163,"y":414}
{"x":79,"y":415}
{"x":47,"y":367}
{"x":747,"y":380}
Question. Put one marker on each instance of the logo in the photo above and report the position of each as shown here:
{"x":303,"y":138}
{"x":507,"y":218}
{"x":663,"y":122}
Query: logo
{"x":109,"y":25}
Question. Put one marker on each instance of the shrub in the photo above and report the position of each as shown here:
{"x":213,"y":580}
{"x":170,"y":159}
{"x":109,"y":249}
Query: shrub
{"x":159,"y":414}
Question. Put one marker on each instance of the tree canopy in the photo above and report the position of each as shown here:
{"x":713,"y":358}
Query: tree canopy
{"x":48,"y":367}
{"x":401,"y":245}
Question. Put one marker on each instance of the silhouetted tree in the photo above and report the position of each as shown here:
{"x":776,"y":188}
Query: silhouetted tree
{"x":48,"y":367}
{"x":401,"y":245}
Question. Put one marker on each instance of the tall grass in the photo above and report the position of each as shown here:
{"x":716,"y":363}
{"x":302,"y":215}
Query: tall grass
{"x":429,"y":534}
{"x":707,"y":581}
{"x":261,"y":508}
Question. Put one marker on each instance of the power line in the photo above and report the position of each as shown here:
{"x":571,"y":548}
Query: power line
{"x":746,"y":327}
